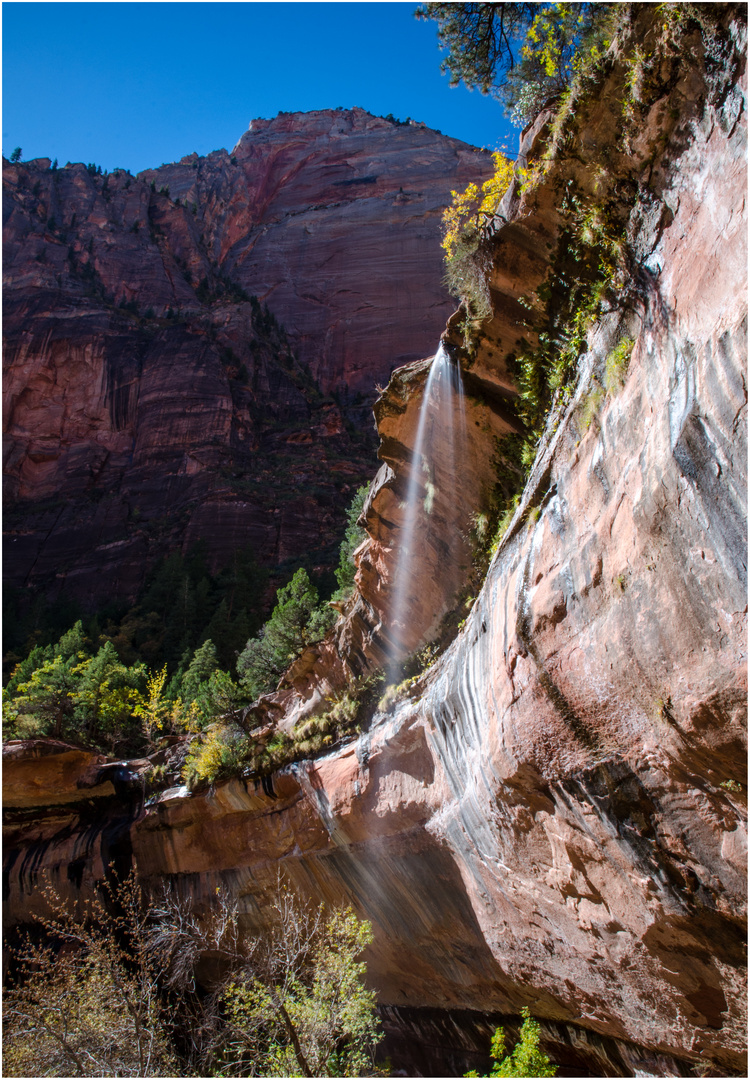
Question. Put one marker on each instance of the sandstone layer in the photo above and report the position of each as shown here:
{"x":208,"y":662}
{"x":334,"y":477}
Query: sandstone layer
{"x":150,"y":399}
{"x":554,"y":816}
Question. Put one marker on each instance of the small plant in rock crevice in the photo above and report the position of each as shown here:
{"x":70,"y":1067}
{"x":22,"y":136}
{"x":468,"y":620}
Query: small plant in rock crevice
{"x":731,"y":785}
{"x":616,"y":366}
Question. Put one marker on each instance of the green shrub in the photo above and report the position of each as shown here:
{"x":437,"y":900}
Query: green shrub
{"x":526,"y":1058}
{"x":504,"y":521}
{"x":309,"y":1012}
{"x":590,"y":406}
{"x":218,"y":754}
{"x":395,"y":693}
{"x":339,"y":720}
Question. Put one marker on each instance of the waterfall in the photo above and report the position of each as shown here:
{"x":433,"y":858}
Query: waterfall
{"x":432,"y":488}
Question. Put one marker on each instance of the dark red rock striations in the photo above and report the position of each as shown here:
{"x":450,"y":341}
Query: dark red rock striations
{"x":149,"y":402}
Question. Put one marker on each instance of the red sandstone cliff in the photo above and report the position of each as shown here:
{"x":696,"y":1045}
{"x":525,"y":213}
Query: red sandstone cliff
{"x":556,"y":817}
{"x":332,"y":218}
{"x":148,"y":403}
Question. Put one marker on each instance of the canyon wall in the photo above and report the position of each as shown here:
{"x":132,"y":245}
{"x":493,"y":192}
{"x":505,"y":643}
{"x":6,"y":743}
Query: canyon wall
{"x":554,"y":814}
{"x":332,"y":217}
{"x":151,"y":398}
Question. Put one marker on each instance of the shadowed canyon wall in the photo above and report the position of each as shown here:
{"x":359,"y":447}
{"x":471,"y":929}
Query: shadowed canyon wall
{"x":554,"y":814}
{"x":150,"y":396}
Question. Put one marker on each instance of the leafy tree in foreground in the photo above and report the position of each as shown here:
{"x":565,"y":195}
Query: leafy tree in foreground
{"x":91,"y":1008}
{"x":111,"y":991}
{"x":526,"y":1059}
{"x":300,"y":1006}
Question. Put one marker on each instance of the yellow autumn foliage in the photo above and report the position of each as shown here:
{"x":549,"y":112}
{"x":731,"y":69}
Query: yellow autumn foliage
{"x":476,"y":206}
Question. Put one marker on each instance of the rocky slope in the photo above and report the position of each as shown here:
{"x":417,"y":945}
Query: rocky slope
{"x":555,"y":815}
{"x":150,"y":400}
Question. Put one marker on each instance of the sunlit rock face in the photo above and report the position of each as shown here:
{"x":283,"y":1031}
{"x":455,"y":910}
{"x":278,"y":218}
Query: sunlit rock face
{"x":333,"y":218}
{"x":148,"y":405}
{"x":556,"y":814}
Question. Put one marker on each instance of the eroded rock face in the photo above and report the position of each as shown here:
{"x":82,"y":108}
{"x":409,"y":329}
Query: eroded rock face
{"x":148,"y":403}
{"x":556,"y":816}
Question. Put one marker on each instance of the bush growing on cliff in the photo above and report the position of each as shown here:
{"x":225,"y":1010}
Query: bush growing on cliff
{"x":465,"y":225}
{"x":339,"y":720}
{"x":219,"y":754}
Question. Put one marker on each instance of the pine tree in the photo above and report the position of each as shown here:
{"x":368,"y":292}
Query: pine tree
{"x":291,"y":627}
{"x":200,"y":669}
{"x":353,"y":537}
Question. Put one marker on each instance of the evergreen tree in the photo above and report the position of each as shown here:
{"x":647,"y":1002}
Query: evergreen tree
{"x":105,"y":698}
{"x":200,"y":669}
{"x":294,"y":623}
{"x":481,"y":39}
{"x":23,"y":671}
{"x":219,"y":631}
{"x":45,"y":703}
{"x":353,"y":537}
{"x":193,"y":687}
{"x":523,"y":53}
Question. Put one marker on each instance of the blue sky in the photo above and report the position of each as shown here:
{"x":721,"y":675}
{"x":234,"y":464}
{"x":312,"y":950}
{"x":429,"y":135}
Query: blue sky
{"x":137,"y":84}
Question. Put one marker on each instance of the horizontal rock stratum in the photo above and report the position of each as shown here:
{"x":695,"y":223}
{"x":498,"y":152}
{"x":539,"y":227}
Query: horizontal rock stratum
{"x":555,"y":815}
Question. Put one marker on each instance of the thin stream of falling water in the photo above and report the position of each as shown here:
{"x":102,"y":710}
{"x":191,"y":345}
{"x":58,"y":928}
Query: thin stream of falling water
{"x":442,"y":403}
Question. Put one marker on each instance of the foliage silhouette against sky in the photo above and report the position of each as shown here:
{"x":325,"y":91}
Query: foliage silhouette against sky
{"x":133,"y":85}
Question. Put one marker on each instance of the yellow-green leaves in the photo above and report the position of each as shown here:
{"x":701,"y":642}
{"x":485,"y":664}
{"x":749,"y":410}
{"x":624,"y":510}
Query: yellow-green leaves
{"x":475,"y":207}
